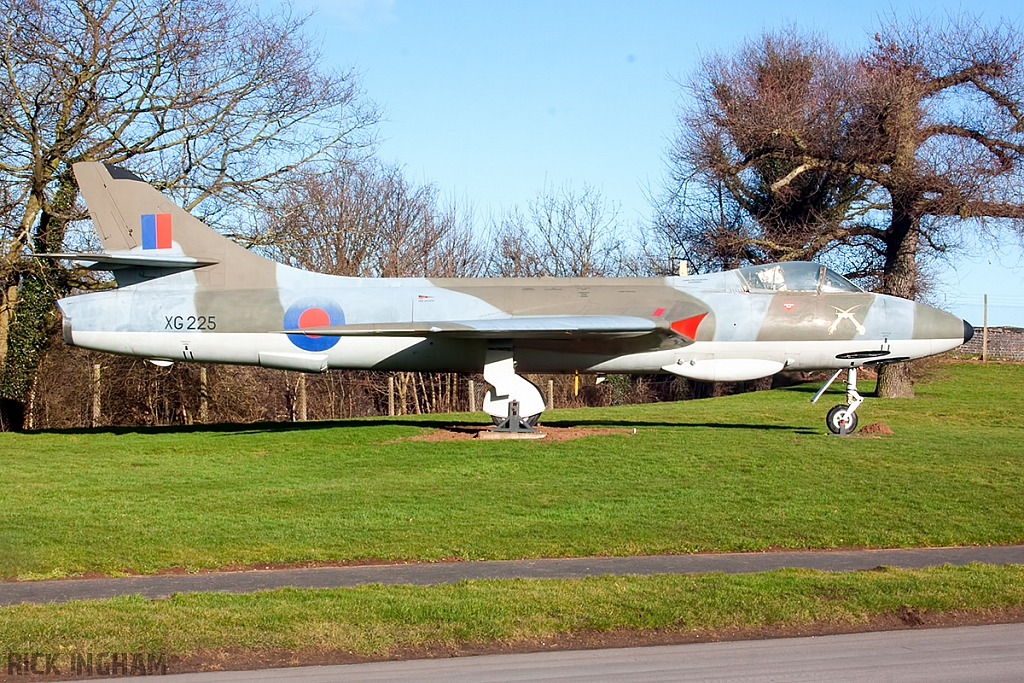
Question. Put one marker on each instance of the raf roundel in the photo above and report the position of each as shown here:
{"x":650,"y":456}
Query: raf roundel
{"x":313,"y":312}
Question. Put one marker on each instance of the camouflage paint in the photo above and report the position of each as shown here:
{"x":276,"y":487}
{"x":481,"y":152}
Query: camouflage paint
{"x":247,"y":309}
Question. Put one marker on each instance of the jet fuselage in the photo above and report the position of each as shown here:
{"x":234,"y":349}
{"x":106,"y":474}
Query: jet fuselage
{"x":176,"y":318}
{"x":189,"y":294}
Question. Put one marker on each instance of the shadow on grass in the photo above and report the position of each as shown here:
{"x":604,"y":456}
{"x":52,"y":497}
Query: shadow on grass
{"x":662,"y":423}
{"x":425,"y":422}
{"x":433,"y":422}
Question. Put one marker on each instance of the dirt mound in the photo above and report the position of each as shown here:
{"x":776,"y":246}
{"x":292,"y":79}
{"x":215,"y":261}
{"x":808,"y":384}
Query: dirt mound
{"x":876,"y":428}
{"x":458,"y":432}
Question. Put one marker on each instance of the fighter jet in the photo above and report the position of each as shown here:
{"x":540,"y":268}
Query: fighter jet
{"x":186,"y":293}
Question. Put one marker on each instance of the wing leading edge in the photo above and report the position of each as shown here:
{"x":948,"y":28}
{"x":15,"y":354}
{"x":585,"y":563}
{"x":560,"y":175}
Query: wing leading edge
{"x":535,"y":327}
{"x":515,"y":327}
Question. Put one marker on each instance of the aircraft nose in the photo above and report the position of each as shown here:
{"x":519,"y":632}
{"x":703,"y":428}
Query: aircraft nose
{"x":968,"y":332}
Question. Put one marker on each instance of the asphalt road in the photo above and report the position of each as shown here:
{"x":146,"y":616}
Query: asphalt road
{"x":956,"y":655}
{"x":425,"y":574}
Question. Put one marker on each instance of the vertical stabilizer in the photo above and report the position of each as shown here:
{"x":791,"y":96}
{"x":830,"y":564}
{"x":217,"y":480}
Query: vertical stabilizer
{"x":129,"y":215}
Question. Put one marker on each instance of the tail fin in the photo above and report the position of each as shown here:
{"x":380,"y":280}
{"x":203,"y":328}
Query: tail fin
{"x":128,"y":214}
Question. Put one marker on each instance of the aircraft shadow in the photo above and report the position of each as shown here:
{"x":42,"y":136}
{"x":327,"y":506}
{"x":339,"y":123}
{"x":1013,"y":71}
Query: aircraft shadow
{"x":662,"y":423}
{"x":228,"y":428}
{"x":261,"y":427}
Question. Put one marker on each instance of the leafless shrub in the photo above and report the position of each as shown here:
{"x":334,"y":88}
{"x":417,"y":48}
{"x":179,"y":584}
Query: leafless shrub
{"x":565,"y":234}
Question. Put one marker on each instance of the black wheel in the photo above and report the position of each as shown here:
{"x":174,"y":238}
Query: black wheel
{"x":837,"y":416}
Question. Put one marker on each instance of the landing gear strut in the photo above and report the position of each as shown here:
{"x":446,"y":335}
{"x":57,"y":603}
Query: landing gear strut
{"x":514,"y":403}
{"x":842,"y":419}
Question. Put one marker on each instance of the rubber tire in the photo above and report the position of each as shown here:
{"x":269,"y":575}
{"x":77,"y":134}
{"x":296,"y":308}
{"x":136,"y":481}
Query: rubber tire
{"x":832,"y":420}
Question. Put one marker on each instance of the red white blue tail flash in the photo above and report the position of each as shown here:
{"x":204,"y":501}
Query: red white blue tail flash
{"x":156,"y":231}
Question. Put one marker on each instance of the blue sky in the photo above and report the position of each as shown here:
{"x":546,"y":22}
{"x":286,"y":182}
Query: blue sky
{"x":491,"y":100}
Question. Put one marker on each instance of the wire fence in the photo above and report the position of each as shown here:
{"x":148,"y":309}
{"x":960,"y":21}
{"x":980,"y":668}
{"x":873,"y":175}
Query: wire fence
{"x":1002,"y":309}
{"x":998,"y":321}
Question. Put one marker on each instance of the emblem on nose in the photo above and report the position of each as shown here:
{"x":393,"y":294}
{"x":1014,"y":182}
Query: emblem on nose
{"x":842,"y":315}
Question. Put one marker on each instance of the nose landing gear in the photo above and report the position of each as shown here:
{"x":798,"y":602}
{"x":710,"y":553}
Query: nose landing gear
{"x":842,"y":419}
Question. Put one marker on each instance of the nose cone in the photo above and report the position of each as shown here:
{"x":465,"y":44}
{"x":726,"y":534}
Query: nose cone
{"x":968,"y":332}
{"x":931,"y":323}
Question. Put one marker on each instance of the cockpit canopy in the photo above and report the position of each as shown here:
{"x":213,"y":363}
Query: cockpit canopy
{"x":795,"y":276}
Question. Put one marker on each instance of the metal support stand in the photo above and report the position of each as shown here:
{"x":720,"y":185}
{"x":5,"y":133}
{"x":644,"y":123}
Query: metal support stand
{"x":507,"y":388}
{"x":514,"y":422}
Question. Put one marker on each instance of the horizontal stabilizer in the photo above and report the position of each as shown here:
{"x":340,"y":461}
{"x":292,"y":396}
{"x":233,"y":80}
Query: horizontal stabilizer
{"x":130,"y":260}
{"x":515,"y":327}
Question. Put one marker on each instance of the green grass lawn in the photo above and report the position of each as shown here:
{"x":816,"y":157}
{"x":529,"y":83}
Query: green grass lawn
{"x":735,"y":473}
{"x":382,"y":620}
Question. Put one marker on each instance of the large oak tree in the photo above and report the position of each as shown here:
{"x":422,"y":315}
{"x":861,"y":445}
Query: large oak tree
{"x":864,"y":158}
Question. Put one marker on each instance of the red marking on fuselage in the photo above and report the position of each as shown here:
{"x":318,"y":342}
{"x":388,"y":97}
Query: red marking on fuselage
{"x":314,"y":317}
{"x":658,"y":312}
{"x":789,"y":305}
{"x":688,"y":326}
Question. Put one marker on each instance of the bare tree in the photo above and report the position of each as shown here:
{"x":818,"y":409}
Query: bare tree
{"x":368,"y":220}
{"x":217,"y":101}
{"x":513,"y":249}
{"x":566,"y":234}
{"x":698,"y":221}
{"x":736,"y":192}
{"x":870,"y":157}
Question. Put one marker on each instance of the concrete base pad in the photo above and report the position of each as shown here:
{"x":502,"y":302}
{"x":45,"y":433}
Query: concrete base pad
{"x":492,"y":435}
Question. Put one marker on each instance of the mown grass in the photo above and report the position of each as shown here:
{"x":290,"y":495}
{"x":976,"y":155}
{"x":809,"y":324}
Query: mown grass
{"x":735,"y":473}
{"x":380,"y":620}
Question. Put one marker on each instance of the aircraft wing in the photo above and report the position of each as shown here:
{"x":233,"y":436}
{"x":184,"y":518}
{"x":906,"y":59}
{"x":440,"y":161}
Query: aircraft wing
{"x":515,"y":327}
{"x":114,"y":261}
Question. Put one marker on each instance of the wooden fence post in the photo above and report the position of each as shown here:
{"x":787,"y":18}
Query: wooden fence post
{"x":204,"y":396}
{"x":300,"y":389}
{"x":97,"y":410}
{"x":391,"y":395}
{"x":984,"y":331}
